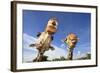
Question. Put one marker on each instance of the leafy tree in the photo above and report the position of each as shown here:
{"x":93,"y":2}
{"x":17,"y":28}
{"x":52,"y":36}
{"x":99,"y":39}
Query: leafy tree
{"x":59,"y":59}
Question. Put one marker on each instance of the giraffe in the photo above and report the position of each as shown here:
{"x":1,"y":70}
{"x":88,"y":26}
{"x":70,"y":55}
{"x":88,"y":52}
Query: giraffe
{"x":44,"y":39}
{"x":71,"y":40}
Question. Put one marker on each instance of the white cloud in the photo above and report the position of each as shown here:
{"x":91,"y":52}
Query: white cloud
{"x":79,"y":54}
{"x":57,"y":53}
{"x":27,"y":40}
{"x":30,"y":53}
{"x":63,"y":46}
{"x":81,"y":50}
{"x":29,"y":56}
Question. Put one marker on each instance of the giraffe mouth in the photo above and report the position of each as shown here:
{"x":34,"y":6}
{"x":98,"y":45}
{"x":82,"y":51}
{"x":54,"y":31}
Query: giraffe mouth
{"x":74,"y":42}
{"x":51,"y":29}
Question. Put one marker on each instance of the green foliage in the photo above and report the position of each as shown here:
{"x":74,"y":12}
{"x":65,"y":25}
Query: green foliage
{"x":88,"y":56}
{"x":59,"y":59}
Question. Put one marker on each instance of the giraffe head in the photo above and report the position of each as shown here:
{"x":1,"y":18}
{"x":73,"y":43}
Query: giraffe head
{"x":71,"y":40}
{"x":52,"y":26}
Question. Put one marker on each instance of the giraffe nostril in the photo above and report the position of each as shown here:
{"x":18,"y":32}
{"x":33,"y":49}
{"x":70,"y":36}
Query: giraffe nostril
{"x":54,"y":23}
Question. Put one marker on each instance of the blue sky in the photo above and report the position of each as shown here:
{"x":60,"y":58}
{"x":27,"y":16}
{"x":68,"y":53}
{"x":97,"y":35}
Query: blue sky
{"x":68,"y":22}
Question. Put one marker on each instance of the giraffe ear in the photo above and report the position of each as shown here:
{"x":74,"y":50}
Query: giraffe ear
{"x":39,"y":33}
